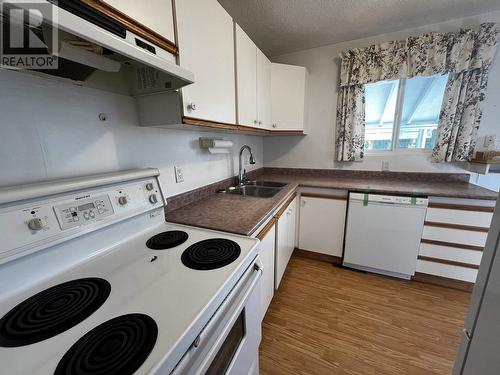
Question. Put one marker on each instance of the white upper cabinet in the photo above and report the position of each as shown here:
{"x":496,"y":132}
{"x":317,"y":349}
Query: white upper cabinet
{"x":246,"y":78}
{"x":206,"y":47}
{"x":288,"y":88}
{"x":263,"y":90}
{"x":253,"y":77}
{"x":156,"y":15}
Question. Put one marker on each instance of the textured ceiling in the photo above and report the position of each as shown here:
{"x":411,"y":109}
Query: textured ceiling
{"x":283,"y":26}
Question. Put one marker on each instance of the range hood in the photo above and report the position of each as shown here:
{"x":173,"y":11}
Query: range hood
{"x":94,"y":50}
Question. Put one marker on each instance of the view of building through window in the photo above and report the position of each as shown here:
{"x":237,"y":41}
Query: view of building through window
{"x":403,"y":113}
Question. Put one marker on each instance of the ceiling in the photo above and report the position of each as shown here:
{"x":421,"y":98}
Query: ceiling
{"x":283,"y":26}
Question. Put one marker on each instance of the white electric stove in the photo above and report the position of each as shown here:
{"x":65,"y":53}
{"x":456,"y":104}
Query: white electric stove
{"x":88,"y":286}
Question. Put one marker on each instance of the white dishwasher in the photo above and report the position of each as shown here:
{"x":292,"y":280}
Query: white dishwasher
{"x":383,"y":233}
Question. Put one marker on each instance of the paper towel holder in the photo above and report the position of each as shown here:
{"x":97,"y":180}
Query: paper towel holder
{"x":215,"y":145}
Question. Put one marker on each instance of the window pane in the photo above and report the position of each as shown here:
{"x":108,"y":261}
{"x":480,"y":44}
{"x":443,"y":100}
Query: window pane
{"x":421,"y":107}
{"x":381,"y":98}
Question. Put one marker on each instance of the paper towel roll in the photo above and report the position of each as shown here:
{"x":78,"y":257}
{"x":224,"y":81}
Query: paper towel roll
{"x":220,"y":143}
{"x":216,"y":146}
{"x":213,"y":150}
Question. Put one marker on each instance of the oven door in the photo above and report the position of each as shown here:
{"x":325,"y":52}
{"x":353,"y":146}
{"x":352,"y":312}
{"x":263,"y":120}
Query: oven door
{"x":229,"y":343}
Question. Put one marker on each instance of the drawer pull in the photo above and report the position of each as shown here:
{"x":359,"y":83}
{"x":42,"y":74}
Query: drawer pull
{"x":448,"y":262}
{"x":452,"y":244}
{"x":457,"y":226}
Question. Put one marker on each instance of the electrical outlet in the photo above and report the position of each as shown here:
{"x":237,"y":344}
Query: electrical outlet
{"x":385,"y":165}
{"x":489,"y":141}
{"x":179,"y":177}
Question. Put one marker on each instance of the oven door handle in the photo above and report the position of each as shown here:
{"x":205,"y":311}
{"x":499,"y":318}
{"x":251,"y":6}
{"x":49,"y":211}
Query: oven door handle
{"x":219,"y":314}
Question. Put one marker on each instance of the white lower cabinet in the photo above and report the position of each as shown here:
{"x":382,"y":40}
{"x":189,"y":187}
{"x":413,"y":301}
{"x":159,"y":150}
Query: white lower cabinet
{"x":454,"y":235}
{"x":322,"y":223}
{"x":285,"y":239}
{"x":267,"y":246}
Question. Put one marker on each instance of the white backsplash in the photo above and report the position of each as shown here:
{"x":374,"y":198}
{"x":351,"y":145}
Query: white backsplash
{"x":51,"y":129}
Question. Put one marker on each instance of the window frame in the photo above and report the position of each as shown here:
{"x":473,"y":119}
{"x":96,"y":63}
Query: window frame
{"x":398,"y":113}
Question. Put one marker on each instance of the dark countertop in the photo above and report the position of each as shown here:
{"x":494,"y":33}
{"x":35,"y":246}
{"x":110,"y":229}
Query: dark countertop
{"x":243,"y":215}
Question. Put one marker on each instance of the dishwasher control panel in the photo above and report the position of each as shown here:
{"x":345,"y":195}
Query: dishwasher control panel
{"x":390,"y":199}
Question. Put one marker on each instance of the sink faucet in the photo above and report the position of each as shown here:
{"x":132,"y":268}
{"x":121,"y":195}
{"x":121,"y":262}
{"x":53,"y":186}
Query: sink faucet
{"x":241,"y":171}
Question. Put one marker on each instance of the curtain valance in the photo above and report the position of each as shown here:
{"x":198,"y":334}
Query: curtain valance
{"x":424,"y":55}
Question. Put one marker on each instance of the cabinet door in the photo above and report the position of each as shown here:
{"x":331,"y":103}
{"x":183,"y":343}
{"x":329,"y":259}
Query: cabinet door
{"x":263,"y":90}
{"x":156,"y":14}
{"x":246,"y":78}
{"x":285,"y":239}
{"x":288,"y":87}
{"x":206,"y":47}
{"x":321,"y":225}
{"x":292,"y":225}
{"x":267,"y":246}
{"x":282,"y":244}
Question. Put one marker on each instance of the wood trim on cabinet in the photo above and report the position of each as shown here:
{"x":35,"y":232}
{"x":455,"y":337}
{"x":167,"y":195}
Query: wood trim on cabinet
{"x":266,"y":229}
{"x":133,"y":25}
{"x":207,"y":123}
{"x":245,"y":128}
{"x":285,"y":206}
{"x":456,"y":226}
{"x":286,"y":132}
{"x":461,"y":207}
{"x":452,"y":244}
{"x":443,"y":281}
{"x":448,"y":262}
{"x":317,"y":256}
{"x":186,"y":120}
{"x":324,"y":196}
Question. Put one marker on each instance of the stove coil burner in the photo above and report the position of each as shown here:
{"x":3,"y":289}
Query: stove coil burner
{"x":211,"y":254}
{"x":119,"y":346}
{"x":167,"y":240}
{"x":52,"y":311}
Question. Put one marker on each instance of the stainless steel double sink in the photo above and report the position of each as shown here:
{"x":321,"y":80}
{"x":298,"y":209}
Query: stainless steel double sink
{"x":259,"y":189}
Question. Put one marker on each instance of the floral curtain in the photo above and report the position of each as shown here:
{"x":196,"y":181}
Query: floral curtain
{"x":350,"y":123}
{"x":458,"y":53}
{"x":460,"y":116}
{"x":465,"y":92}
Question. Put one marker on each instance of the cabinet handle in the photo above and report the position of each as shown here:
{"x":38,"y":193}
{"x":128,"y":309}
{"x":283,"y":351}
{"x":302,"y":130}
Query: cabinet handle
{"x":255,"y":122}
{"x":192,"y":106}
{"x":260,"y":122}
{"x":275,"y":126}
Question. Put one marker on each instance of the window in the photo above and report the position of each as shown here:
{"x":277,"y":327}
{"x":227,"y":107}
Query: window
{"x":403,"y":114}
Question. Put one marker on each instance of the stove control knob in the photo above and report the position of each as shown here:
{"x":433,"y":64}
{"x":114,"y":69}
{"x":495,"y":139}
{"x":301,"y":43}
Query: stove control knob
{"x":149,"y":186}
{"x":153,"y":199}
{"x":123,"y":201}
{"x":36,"y":224}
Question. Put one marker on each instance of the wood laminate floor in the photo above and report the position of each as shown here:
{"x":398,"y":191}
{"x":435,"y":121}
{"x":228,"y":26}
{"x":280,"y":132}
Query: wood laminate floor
{"x":329,"y":320}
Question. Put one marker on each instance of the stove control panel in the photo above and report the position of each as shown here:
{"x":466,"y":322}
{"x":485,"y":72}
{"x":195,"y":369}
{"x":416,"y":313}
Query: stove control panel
{"x":84,"y":211}
{"x":39,"y":223}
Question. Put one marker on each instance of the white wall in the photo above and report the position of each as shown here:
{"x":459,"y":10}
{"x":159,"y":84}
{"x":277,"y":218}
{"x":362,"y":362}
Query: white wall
{"x":50,"y":129}
{"x":316,"y":150}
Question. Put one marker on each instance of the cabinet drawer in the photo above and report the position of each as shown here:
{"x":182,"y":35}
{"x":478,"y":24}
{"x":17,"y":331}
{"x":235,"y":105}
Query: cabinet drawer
{"x":450,"y":253}
{"x":459,"y":236}
{"x":459,"y":217}
{"x":447,"y":270}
